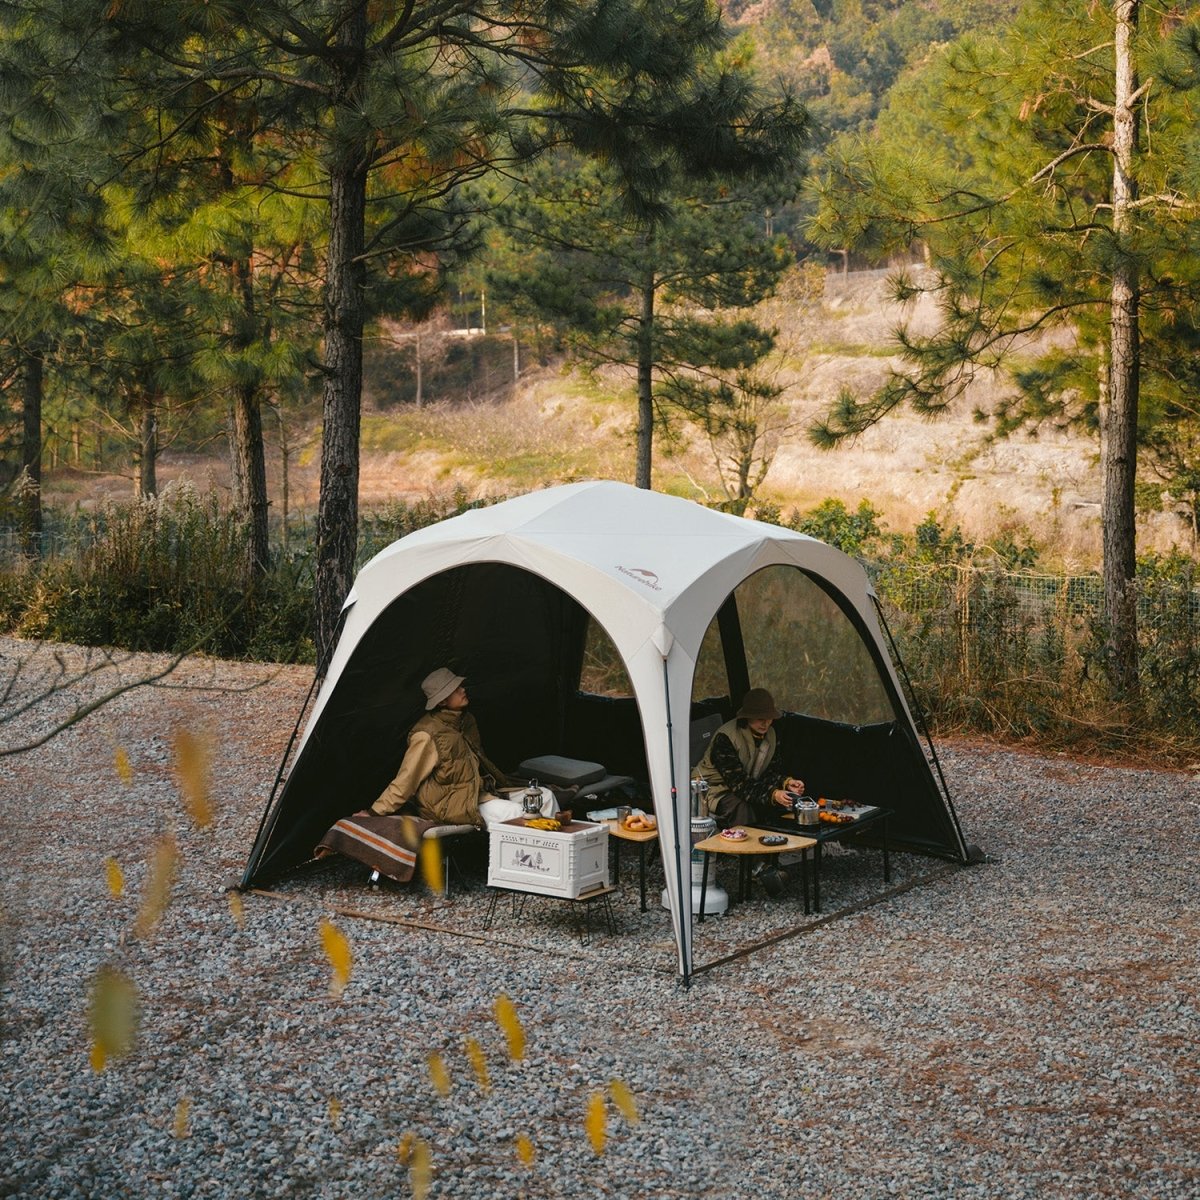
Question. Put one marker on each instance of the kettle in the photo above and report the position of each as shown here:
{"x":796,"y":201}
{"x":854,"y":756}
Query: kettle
{"x":806,"y":810}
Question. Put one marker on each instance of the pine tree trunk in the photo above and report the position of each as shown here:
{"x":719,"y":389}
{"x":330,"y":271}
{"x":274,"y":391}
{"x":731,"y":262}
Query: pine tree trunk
{"x":32,"y":389}
{"x":645,"y":385}
{"x":251,"y":468}
{"x":1120,"y":432}
{"x":337,"y":506}
{"x":148,"y":449}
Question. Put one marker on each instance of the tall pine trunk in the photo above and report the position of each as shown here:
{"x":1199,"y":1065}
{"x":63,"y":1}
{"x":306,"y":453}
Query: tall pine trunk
{"x":33,"y":384}
{"x":645,"y":385}
{"x":250,"y":471}
{"x":148,"y":448}
{"x":1119,"y":449}
{"x":337,"y":506}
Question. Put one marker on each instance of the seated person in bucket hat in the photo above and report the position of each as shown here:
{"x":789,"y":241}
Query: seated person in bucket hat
{"x":742,"y":765}
{"x":445,"y":772}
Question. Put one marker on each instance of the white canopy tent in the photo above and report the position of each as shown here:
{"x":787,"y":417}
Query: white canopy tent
{"x":653,"y":571}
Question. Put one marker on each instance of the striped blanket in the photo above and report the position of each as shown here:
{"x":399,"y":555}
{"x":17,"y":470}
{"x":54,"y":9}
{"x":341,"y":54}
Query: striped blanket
{"x":388,"y":845}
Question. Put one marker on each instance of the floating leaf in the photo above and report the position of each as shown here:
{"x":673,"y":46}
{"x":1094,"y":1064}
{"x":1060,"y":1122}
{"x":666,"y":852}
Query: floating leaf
{"x":420,"y":1169}
{"x":192,"y":765}
{"x":596,"y":1122}
{"x":438,"y":1074}
{"x":158,"y":887}
{"x":524,"y":1149}
{"x":622,"y":1097}
{"x":237,"y":909}
{"x":337,"y":950}
{"x":123,"y":765}
{"x":510,"y":1023}
{"x":432,"y":867}
{"x":115,"y":876}
{"x":112,"y":1015}
{"x":335,"y":1111}
{"x":478,"y":1064}
{"x":182,"y":1109}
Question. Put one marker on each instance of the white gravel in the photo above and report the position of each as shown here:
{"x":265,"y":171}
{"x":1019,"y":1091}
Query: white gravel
{"x":1023,"y":1028}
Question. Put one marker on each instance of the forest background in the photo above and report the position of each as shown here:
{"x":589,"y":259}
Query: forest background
{"x":164,"y":312}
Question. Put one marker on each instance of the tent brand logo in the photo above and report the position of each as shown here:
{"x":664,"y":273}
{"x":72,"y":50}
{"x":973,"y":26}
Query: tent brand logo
{"x":642,"y":576}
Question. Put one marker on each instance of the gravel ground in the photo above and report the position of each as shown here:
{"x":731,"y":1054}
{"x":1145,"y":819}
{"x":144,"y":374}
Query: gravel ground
{"x":1022,"y":1028}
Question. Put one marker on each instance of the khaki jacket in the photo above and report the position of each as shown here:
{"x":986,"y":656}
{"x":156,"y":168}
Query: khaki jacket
{"x":443,"y":770}
{"x":755,"y":756}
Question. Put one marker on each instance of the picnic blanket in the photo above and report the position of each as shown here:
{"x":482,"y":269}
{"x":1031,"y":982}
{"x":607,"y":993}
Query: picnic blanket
{"x":388,"y":845}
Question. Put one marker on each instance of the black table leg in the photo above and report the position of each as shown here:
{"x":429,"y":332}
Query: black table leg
{"x":642,"y":872}
{"x":817,"y":877}
{"x":804,"y":878}
{"x":887,"y":862}
{"x":703,"y":886}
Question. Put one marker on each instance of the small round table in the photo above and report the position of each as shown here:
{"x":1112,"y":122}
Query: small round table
{"x":747,"y":850}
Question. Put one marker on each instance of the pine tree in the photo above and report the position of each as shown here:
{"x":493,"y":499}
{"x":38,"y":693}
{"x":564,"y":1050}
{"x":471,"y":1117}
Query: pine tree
{"x":1016,"y":160}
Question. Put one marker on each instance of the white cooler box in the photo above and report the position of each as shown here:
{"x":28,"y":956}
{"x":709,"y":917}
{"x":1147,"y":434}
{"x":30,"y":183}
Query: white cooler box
{"x":569,"y":862}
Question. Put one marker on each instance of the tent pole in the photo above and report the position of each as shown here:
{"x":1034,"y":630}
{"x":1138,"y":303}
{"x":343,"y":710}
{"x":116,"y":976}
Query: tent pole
{"x":265,"y":831}
{"x":687,"y":957}
{"x":919,"y":720}
{"x":259,"y":836}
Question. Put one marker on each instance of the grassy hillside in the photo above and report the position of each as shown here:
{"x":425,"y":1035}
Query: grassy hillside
{"x":555,"y":426}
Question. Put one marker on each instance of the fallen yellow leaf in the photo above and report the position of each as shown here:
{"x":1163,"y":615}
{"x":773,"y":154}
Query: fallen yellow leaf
{"x":123,"y":765}
{"x":335,"y":1111}
{"x":161,"y":879}
{"x":237,"y":909}
{"x":524,"y":1149}
{"x":404,"y":1147}
{"x":432,"y":866}
{"x":182,"y":1109}
{"x":112,"y":1015}
{"x":478,"y":1064}
{"x":596,"y":1122}
{"x":622,"y":1097}
{"x":337,"y":950}
{"x":510,"y":1023}
{"x":420,"y":1169}
{"x":115,"y":876}
{"x":438,"y":1073}
{"x":192,"y":765}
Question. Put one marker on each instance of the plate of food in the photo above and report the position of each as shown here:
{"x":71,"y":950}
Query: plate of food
{"x":734,"y":835}
{"x":640,"y":823}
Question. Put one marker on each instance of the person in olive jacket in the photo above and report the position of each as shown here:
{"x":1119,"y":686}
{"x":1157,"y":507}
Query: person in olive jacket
{"x":743,"y":767}
{"x":445,"y":772}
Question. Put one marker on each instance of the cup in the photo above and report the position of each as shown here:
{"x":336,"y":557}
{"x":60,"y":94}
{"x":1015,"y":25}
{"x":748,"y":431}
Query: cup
{"x":623,"y":812}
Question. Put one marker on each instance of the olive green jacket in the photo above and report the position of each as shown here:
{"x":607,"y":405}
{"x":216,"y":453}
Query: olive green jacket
{"x":443,"y":771}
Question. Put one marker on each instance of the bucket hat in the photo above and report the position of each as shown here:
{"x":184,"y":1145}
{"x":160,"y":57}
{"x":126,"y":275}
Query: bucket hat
{"x":758,"y":705}
{"x":438,"y":685}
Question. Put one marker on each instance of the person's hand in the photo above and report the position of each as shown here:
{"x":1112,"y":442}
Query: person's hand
{"x":780,"y":797}
{"x":794,"y":785}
